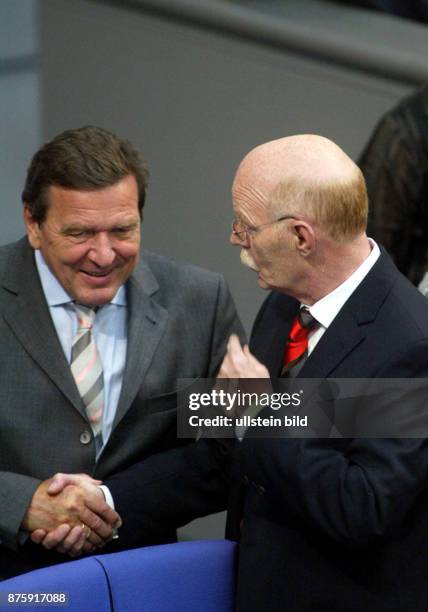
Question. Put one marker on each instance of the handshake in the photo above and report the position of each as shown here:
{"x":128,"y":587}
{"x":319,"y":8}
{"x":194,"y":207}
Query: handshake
{"x":69,"y":513}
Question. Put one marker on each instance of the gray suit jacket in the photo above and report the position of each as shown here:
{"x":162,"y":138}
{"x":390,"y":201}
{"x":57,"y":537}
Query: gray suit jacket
{"x":179,"y":321}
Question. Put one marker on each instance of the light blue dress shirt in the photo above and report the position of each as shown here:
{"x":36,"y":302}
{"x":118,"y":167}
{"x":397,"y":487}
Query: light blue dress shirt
{"x":110,"y":334}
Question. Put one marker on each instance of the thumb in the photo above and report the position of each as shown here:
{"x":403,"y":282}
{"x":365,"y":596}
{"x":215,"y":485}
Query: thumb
{"x":60,"y":481}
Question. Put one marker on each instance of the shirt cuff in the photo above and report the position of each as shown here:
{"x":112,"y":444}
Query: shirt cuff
{"x":107,"y":495}
{"x":110,"y":502}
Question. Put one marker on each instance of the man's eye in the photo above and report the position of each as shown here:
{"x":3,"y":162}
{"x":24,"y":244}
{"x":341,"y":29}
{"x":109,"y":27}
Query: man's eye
{"x":122,"y":231}
{"x":77,"y":234}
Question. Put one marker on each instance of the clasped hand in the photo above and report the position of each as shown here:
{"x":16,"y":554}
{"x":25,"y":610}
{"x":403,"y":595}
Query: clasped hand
{"x":69,"y":513}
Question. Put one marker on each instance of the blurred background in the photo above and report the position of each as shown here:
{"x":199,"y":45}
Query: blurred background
{"x":195,"y":84}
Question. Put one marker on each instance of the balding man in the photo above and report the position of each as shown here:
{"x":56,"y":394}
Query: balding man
{"x":324,"y":524}
{"x":328,"y":524}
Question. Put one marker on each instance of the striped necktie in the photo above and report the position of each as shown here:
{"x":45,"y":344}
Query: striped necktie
{"x":87,"y":369}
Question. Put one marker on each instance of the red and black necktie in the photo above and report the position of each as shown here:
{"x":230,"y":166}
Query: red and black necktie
{"x":296,"y":349}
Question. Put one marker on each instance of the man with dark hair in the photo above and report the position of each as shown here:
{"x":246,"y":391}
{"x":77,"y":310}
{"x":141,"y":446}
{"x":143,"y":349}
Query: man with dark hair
{"x":95,"y":335}
{"x":85,"y":158}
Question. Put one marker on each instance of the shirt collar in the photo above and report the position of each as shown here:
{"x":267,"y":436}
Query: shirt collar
{"x":55,"y":293}
{"x":328,"y":307}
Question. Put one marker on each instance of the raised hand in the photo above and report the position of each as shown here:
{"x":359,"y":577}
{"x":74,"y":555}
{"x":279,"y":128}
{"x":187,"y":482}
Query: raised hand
{"x":239,"y":362}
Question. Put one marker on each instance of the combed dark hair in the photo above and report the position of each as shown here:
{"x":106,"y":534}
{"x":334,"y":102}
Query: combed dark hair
{"x":84,"y":158}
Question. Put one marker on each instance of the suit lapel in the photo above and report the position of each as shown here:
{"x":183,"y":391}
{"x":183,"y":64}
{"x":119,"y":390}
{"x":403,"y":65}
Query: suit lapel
{"x":343,"y":336}
{"x":147,"y":321}
{"x":353,"y":321}
{"x":26,"y":312}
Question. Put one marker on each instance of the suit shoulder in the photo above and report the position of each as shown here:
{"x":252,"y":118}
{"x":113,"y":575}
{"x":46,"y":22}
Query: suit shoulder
{"x":10,"y":251}
{"x":410,"y":308}
{"x":277,"y":302}
{"x":180,"y":274}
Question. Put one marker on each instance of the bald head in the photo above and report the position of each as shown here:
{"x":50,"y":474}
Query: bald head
{"x":310,"y":176}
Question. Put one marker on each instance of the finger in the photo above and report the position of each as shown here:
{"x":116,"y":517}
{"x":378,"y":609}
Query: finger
{"x":226,"y":368}
{"x":54,"y":538}
{"x":38,"y":535}
{"x":233,"y":357}
{"x":260,"y":369}
{"x":94,"y":539}
{"x":236,"y":353}
{"x":96,"y":524}
{"x":73,"y":542}
{"x":88,"y":547}
{"x":234,"y":344}
{"x":233,"y":338}
{"x":101,"y":508}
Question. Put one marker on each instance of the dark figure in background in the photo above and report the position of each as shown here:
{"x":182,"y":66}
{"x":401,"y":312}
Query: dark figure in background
{"x":395,"y":166}
{"x":417,"y":10}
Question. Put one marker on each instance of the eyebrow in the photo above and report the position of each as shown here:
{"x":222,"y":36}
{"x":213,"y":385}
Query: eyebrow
{"x":76,"y":227}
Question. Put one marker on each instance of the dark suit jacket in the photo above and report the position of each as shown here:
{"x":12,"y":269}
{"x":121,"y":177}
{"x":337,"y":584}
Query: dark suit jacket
{"x":328,"y":524}
{"x":179,"y":321}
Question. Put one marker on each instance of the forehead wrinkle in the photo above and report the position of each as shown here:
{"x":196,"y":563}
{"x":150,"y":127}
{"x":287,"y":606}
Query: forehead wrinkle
{"x":248,"y":200}
{"x":85,"y":218}
{"x":120,"y":195}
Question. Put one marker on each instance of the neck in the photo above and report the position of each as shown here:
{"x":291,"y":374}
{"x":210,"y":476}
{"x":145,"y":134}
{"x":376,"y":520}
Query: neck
{"x":332,"y":269}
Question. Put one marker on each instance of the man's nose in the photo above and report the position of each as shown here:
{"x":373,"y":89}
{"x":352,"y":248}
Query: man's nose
{"x":102,"y":252}
{"x":234,"y":239}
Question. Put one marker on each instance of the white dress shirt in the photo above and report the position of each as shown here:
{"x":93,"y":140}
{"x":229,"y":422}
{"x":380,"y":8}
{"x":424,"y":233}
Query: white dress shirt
{"x":326,"y":309}
{"x":110,"y":334}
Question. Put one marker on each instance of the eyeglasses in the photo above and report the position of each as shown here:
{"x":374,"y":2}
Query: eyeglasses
{"x":243,"y":234}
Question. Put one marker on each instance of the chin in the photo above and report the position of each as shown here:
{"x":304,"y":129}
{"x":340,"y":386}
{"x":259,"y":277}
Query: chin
{"x":263,"y":284}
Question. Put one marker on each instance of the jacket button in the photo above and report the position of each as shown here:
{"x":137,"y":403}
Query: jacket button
{"x":245,"y":479}
{"x":85,"y":437}
{"x":261,"y":489}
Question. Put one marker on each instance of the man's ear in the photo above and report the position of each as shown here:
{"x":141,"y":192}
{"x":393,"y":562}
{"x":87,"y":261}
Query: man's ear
{"x":33,"y":228}
{"x":305,"y":237}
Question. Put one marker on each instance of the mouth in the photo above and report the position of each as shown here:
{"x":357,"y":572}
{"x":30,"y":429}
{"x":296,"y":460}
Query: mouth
{"x":97,"y":274}
{"x":97,"y":277}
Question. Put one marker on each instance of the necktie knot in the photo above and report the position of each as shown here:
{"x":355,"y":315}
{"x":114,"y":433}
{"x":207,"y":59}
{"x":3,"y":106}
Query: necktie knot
{"x":306,"y":319}
{"x":85,"y":316}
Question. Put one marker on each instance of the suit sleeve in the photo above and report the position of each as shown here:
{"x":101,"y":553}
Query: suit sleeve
{"x":226,"y":322}
{"x":353,"y":493}
{"x":170,"y":489}
{"x":16,"y":492}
